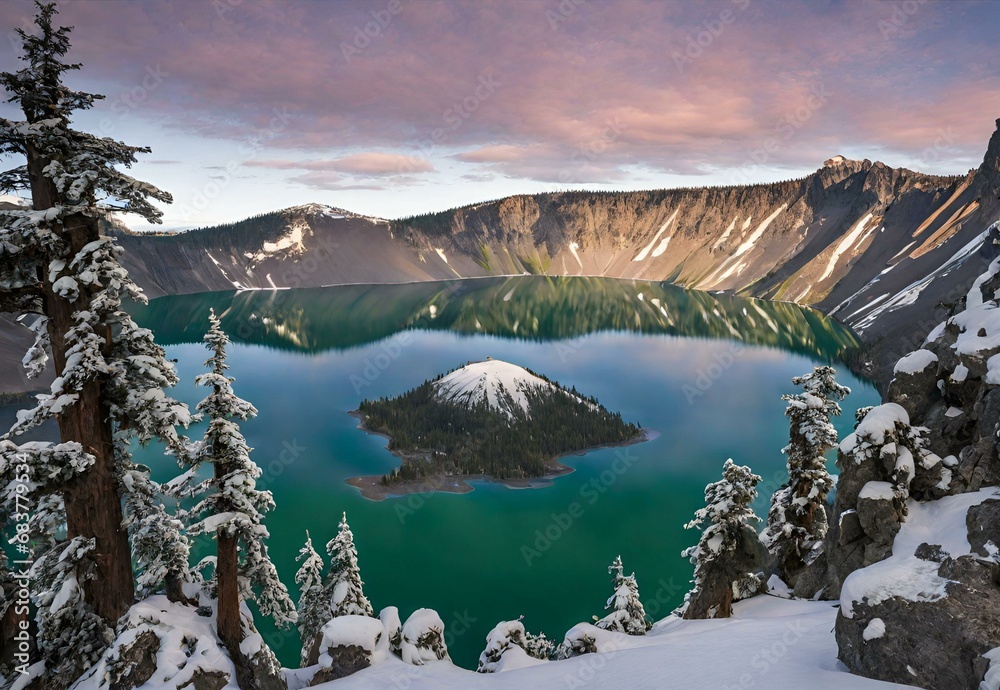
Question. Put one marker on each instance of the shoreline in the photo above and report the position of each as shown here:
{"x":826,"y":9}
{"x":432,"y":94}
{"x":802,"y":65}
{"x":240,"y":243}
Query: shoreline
{"x":372,"y":488}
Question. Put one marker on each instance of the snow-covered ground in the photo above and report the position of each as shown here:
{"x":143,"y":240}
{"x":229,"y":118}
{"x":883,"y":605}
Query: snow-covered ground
{"x":770,"y":643}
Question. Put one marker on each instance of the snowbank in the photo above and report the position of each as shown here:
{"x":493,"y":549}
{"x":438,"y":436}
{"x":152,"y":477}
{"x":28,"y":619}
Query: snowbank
{"x":769,"y":643}
{"x":903,"y":574}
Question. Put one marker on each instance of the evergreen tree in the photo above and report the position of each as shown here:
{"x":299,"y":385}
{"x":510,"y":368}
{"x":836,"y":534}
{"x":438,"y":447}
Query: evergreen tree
{"x":314,"y":606}
{"x":627,"y":614}
{"x":159,"y":547}
{"x":59,"y":273}
{"x":344,"y":587}
{"x":796,"y":522}
{"x":231,"y":508}
{"x":728,"y":555}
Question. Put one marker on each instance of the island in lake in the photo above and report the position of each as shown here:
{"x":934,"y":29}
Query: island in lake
{"x":490,"y":419}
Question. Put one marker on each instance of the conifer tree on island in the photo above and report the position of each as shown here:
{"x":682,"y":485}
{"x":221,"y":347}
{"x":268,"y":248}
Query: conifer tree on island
{"x":314,"y":605}
{"x":65,"y":282}
{"x":627,"y":614}
{"x":727,"y":557}
{"x":796,"y":522}
{"x":344,"y":586}
{"x":231,"y":507}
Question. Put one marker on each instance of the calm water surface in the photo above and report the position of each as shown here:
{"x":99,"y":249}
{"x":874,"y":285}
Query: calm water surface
{"x":704,"y":371}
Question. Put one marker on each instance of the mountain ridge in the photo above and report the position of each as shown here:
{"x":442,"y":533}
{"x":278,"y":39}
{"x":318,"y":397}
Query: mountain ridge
{"x":871,"y":245}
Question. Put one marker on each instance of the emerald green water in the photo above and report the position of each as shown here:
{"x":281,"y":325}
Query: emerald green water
{"x":704,"y":371}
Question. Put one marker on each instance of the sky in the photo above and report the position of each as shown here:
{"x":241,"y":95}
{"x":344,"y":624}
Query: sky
{"x":398,"y":107}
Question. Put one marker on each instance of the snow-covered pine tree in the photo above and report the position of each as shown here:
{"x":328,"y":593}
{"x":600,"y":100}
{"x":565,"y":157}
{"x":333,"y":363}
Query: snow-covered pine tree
{"x":160,"y":549}
{"x":627,"y":614}
{"x":231,"y":508}
{"x":727,"y":557}
{"x":66,"y":284}
{"x":343,"y":584}
{"x":314,"y":605}
{"x":796,"y":522}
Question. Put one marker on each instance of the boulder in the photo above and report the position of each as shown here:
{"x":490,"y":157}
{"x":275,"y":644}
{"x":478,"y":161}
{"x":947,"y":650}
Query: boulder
{"x":343,"y":661}
{"x":914,"y":385}
{"x":983,"y":523}
{"x":936,"y":645}
{"x":136,"y":663}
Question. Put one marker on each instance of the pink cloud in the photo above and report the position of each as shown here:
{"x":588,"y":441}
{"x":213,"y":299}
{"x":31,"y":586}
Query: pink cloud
{"x":373,"y":164}
{"x":674,"y":87}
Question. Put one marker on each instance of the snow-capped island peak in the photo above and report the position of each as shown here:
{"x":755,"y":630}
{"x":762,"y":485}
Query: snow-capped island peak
{"x":497,"y":383}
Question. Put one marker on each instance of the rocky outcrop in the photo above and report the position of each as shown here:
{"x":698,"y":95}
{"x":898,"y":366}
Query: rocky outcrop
{"x":937,"y":645}
{"x":344,"y":660}
{"x":924,"y":614}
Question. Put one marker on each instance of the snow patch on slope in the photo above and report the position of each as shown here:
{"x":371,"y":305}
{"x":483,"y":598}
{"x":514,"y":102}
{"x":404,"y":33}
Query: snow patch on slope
{"x":573,"y":246}
{"x":911,"y":292}
{"x":748,"y":244}
{"x":850,"y":239}
{"x":725,"y":236}
{"x":641,"y":256}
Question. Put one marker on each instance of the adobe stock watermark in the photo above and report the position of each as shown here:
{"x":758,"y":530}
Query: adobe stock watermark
{"x":124,"y":104}
{"x":664,"y":596}
{"x":768,"y":657}
{"x":248,"y":149}
{"x":567,"y":349}
{"x":784,"y":129}
{"x":590,"y":493}
{"x":706,"y":377}
{"x":587,"y":152}
{"x":707,"y":35}
{"x":587,"y":666}
{"x":893,"y":25}
{"x":563,"y":11}
{"x":290,"y":452}
{"x":453,"y":117}
{"x":390,"y":350}
{"x":942,"y":144}
{"x":371,"y":30}
{"x":21,"y":604}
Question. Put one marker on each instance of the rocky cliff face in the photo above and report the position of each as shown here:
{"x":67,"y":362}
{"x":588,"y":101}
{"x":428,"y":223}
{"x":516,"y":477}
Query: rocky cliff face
{"x":883,"y":250}
{"x":878,"y":248}
{"x":913,"y":548}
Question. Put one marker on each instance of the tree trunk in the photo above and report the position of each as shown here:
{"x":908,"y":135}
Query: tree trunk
{"x":227,"y":570}
{"x":93,"y":502}
{"x":226,"y":574}
{"x":714,"y":597}
{"x":175,"y":591}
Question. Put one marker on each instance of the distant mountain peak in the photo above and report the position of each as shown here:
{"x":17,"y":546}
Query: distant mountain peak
{"x":315,"y":209}
{"x":835,"y":161}
{"x":991,"y":161}
{"x":501,"y":385}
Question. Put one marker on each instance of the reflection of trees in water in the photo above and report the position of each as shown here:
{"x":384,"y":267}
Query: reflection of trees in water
{"x":525,"y":307}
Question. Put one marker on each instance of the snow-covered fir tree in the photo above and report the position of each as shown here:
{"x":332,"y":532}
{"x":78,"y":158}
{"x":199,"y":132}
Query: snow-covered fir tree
{"x":314,"y":605}
{"x":343,"y":584}
{"x":728,"y":555}
{"x":627,"y":614}
{"x":66,"y":284}
{"x":160,"y":549}
{"x":504,"y":636}
{"x":507,"y":635}
{"x":231,"y":508}
{"x":796,"y":522}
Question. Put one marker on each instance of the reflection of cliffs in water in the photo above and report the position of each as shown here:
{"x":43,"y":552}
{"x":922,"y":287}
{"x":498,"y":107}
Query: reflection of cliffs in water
{"x":529,"y":307}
